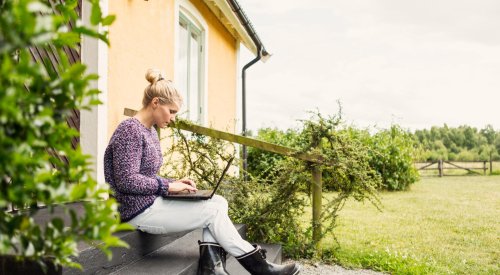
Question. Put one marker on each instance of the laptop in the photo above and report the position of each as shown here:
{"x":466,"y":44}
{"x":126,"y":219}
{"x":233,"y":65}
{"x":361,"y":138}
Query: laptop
{"x":201,"y":194}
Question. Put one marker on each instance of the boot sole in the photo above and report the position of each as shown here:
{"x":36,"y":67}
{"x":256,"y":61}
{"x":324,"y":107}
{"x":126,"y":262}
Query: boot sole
{"x":299,"y":267}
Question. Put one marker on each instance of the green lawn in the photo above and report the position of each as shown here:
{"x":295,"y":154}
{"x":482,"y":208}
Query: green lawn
{"x":496,"y":167}
{"x":446,"y":225}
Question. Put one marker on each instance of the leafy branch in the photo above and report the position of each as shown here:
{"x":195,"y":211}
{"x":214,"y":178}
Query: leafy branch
{"x":38,"y":163}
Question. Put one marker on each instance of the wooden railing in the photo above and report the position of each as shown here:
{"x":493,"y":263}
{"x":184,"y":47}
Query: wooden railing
{"x":269,"y":147}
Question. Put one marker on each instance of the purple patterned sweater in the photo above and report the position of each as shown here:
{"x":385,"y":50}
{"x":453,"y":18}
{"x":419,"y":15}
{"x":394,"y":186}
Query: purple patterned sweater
{"x":131,"y":163}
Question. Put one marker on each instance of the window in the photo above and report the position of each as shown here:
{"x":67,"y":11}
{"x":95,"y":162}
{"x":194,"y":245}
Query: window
{"x":190,"y":68}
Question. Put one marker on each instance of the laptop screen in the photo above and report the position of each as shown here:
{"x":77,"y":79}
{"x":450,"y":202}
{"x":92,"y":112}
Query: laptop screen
{"x":223,"y":174}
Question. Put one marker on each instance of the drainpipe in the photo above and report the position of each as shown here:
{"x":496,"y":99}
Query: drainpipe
{"x":244,"y":107}
{"x":262,"y":54}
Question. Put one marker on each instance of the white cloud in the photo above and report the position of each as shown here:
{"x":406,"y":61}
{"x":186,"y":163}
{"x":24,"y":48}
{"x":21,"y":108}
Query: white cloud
{"x":415,"y":63}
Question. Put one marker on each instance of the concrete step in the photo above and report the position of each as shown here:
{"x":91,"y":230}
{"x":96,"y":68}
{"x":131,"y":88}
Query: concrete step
{"x":176,"y":258}
{"x":148,"y":254}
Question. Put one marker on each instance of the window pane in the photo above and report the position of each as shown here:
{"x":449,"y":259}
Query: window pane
{"x":189,"y":70}
{"x":182,"y":83}
{"x":194,"y":78}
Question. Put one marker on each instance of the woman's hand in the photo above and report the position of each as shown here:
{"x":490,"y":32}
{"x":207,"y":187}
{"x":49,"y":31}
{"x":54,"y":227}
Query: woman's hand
{"x":188,"y":181}
{"x":182,"y":186}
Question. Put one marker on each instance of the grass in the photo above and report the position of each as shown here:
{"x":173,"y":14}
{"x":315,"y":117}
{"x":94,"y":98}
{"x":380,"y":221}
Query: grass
{"x":496,"y":165}
{"x":446,"y":225}
{"x":496,"y":168}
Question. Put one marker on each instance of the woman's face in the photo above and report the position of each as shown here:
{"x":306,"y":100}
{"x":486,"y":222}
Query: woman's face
{"x":163,"y":114}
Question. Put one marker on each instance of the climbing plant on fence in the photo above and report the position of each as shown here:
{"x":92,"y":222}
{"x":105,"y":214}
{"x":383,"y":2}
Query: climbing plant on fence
{"x":38,"y":164}
{"x":272,"y":204}
{"x":391,"y":154}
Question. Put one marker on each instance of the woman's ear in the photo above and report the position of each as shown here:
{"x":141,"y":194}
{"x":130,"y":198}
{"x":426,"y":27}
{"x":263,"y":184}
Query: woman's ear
{"x":155,"y":102}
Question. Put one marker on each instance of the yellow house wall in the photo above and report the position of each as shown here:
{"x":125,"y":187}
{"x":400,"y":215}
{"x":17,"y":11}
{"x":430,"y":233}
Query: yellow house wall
{"x":140,"y":38}
{"x":143,"y":37}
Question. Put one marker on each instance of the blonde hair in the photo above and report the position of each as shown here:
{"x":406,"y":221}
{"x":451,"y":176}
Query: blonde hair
{"x":161,"y":88}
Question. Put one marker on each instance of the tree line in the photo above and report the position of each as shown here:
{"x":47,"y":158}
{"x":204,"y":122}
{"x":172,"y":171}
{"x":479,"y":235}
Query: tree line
{"x":463,"y":143}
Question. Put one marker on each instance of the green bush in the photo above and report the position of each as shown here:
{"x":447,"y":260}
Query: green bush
{"x":35,"y":102}
{"x":391,"y":152}
{"x":467,"y":155}
{"x":261,"y":163}
{"x":392,"y":155}
{"x":345,"y":160}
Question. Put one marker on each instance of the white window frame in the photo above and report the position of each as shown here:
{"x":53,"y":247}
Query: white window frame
{"x":94,"y":122}
{"x":185,"y":10}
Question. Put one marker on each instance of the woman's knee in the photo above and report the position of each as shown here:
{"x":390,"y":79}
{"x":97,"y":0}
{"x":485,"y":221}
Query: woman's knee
{"x":151,"y":229}
{"x":221,"y":201}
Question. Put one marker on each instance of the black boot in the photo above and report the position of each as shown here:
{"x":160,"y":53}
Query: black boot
{"x":255,"y":263}
{"x":212,"y":259}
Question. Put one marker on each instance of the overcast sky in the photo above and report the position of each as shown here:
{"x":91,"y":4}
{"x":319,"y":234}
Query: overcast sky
{"x":415,"y":63}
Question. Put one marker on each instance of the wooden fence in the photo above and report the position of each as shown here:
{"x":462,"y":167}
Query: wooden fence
{"x":474,"y":167}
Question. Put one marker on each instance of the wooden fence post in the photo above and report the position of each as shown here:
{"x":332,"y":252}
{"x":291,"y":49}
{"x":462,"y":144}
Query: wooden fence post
{"x":491,"y":163}
{"x":440,"y":167}
{"x":316,"y":202}
{"x":316,"y":196}
{"x":484,"y":167}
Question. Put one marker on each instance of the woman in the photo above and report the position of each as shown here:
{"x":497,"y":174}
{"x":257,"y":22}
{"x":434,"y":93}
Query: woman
{"x":131,"y":163}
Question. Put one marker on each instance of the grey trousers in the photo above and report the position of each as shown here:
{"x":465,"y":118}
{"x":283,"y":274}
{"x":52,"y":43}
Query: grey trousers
{"x":172,"y":216}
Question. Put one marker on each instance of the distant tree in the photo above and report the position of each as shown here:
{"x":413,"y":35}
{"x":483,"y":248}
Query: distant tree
{"x":489,"y":133}
{"x":470,"y":137}
{"x":496,"y":143}
{"x":460,"y":143}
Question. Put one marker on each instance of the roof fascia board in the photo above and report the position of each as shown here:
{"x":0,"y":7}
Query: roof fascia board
{"x":226,"y":15}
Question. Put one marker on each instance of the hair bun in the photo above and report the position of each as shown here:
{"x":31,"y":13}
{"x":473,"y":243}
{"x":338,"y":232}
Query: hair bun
{"x":153,"y":75}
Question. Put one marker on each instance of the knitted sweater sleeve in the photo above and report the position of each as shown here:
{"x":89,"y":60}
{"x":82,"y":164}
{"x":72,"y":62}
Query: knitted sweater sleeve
{"x":166,"y":182}
{"x":127,"y":154}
